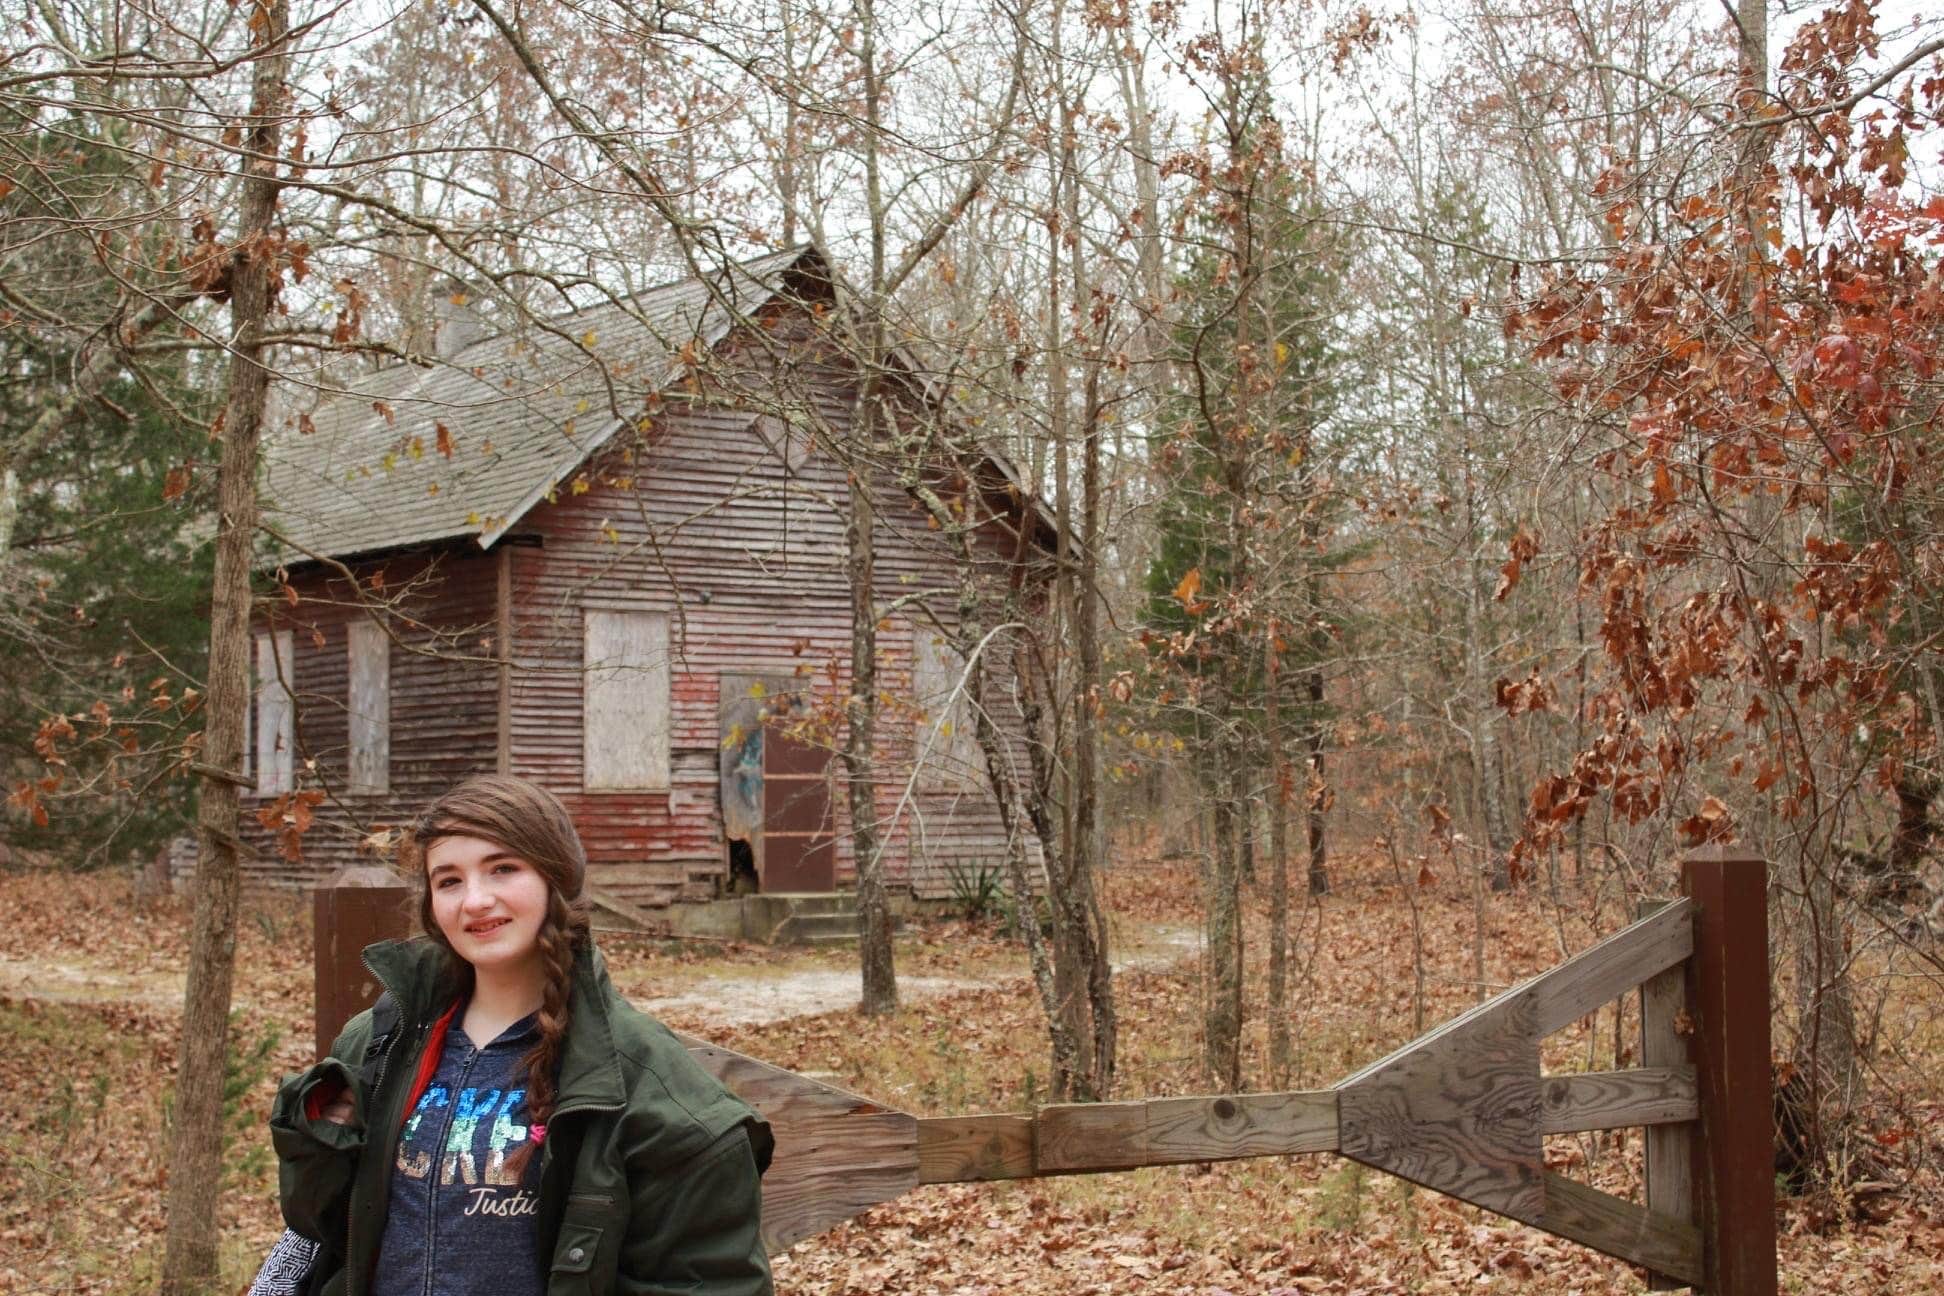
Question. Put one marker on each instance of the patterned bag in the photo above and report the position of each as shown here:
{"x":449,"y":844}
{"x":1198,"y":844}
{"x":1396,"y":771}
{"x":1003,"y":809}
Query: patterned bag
{"x":287,"y":1266}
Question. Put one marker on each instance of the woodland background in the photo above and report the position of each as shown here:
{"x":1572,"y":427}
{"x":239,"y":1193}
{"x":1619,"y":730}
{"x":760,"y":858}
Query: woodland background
{"x":1492,"y":448}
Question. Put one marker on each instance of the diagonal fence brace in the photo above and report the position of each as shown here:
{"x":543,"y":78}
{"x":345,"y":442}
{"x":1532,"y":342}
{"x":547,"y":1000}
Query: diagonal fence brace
{"x":1463,"y":1110}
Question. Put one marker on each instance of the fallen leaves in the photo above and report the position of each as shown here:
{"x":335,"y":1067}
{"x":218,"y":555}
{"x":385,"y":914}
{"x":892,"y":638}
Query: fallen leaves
{"x":89,"y":1170}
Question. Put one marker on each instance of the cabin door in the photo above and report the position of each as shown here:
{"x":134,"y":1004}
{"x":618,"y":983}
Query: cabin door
{"x":799,"y":850}
{"x":775,"y":789}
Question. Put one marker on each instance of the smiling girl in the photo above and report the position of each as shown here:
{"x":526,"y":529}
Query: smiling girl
{"x":502,"y":1120}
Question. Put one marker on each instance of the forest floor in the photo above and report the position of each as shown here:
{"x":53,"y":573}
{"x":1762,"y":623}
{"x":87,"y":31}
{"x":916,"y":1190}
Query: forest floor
{"x":89,"y":1008}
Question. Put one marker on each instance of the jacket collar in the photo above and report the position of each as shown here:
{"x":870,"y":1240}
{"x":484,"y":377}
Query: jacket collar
{"x":415,"y":972}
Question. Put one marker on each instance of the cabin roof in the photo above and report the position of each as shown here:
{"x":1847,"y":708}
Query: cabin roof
{"x":361,"y":467}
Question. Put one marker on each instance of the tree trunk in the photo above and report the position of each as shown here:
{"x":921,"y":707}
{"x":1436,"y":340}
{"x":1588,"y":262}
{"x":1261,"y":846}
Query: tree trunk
{"x":874,"y":949}
{"x":1483,"y":734}
{"x":1910,"y":839}
{"x":1223,"y":1056}
{"x":1316,"y":798}
{"x":1082,"y":924}
{"x":1066,"y":680}
{"x":1235,"y":436}
{"x":196,"y":1136}
{"x":879,"y":992}
{"x":1015,"y":808}
{"x":1070,"y":685}
{"x":1279,"y":791}
{"x":1090,"y":944}
{"x":1082,"y":977}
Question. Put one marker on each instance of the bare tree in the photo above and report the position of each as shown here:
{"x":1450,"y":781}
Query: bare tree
{"x":197,"y":1136}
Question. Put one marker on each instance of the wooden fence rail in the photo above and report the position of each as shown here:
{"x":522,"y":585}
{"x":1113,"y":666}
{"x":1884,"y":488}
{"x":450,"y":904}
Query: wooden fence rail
{"x":1463,"y":1110}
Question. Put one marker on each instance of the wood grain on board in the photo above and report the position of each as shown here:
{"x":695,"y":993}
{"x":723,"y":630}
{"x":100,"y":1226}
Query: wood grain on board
{"x":965,"y":1149}
{"x":1620,"y":1228}
{"x":1229,"y":1127}
{"x":1088,"y":1138}
{"x":837,"y":1154}
{"x":1669,"y":1149}
{"x":1074,"y":1137}
{"x":1728,"y":1001}
{"x":1602,"y":973}
{"x":1457,"y":1110}
{"x":1595,"y":1100}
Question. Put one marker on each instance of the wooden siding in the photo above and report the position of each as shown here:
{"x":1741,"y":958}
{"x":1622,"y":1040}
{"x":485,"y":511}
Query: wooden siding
{"x":442,"y":715}
{"x":705,"y":522}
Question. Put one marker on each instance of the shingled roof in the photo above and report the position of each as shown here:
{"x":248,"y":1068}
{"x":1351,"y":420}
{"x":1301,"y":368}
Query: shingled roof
{"x":363,"y":467}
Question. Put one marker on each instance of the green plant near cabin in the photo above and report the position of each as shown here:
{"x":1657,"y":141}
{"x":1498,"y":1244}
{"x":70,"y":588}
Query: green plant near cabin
{"x":977,"y":889}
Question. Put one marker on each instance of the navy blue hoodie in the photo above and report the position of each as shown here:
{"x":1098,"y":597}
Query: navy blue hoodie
{"x":460,"y":1222}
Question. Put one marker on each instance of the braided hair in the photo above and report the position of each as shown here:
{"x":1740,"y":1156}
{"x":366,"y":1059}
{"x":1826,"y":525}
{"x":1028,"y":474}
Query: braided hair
{"x":530,"y":822}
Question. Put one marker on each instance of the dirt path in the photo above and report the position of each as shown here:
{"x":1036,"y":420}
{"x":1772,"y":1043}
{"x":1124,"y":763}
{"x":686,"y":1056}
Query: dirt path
{"x":757,"y":1001}
{"x":758,"y":997}
{"x":65,"y":982}
{"x":752,"y":997}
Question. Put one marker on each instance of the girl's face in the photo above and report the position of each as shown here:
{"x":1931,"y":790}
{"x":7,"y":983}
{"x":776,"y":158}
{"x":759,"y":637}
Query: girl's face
{"x":489,"y":903}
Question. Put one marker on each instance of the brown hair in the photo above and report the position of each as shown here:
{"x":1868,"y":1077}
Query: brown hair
{"x":529,"y":821}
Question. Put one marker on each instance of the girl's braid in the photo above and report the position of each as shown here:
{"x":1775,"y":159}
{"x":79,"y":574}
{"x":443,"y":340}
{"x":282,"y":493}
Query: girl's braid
{"x":560,"y":936}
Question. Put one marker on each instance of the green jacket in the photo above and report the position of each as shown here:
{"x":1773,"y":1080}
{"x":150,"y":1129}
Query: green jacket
{"x":649,"y":1178}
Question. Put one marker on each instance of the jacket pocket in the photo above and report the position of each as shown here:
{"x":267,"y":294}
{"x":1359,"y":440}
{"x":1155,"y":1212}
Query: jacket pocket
{"x":576,"y":1258}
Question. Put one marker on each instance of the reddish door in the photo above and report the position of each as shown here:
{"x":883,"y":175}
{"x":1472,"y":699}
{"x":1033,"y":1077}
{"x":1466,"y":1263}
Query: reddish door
{"x":799,"y":846}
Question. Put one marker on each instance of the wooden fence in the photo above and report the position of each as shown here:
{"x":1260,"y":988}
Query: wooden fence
{"x":1463,"y":1110}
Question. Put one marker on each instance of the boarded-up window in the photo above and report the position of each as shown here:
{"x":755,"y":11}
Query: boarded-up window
{"x":946,"y":743}
{"x":369,"y":648}
{"x":627,"y":723}
{"x":790,"y":441}
{"x":276,"y":715}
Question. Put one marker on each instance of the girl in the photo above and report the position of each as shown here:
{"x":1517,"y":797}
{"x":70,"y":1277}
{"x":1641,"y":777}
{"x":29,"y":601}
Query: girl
{"x":502,"y":1120}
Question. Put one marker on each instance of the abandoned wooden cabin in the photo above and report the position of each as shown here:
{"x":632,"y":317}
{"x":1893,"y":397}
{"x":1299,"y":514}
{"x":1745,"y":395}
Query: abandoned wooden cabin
{"x":580,"y":553}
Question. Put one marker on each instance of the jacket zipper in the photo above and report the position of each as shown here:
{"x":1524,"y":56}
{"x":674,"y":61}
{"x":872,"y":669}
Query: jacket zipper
{"x":384,"y":1059}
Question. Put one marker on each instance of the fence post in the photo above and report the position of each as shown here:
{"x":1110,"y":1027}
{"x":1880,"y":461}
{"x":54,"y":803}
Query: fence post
{"x":1669,"y":1150}
{"x":1728,"y":998}
{"x":354,"y":907}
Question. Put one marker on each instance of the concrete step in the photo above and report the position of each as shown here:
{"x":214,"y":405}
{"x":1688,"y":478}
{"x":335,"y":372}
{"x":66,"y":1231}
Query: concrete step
{"x":816,"y":902}
{"x":803,"y":929}
{"x":771,"y":918}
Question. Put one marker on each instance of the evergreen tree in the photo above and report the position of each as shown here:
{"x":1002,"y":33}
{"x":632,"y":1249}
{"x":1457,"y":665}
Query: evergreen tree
{"x":104,"y":575}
